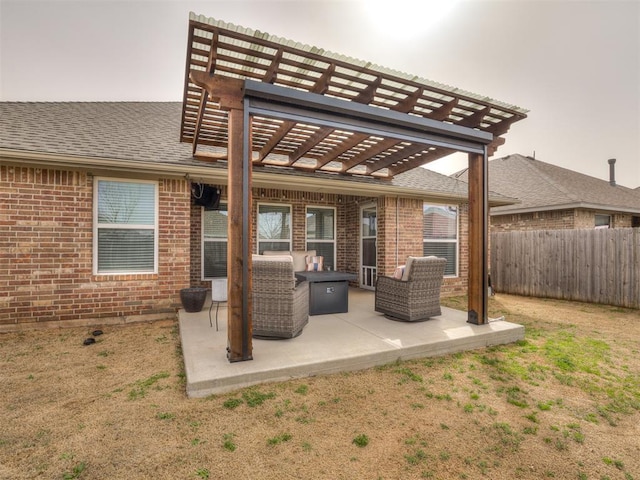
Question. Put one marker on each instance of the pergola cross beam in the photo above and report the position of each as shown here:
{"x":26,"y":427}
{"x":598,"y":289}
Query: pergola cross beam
{"x":282,"y":103}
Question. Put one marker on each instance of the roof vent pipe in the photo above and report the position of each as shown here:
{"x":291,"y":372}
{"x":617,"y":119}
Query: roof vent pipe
{"x":612,"y":172}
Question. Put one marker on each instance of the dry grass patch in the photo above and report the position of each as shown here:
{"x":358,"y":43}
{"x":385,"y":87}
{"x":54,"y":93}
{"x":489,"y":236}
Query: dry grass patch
{"x":564,"y":403}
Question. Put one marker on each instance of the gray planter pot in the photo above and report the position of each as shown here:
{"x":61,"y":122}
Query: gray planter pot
{"x":193,"y":298}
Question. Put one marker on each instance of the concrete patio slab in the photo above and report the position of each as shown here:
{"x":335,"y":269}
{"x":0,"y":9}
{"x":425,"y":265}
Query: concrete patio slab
{"x":340,"y":342}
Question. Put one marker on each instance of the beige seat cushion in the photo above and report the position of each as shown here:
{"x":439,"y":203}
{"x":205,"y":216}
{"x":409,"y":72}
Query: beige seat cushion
{"x":276,"y":252}
{"x":407,"y":269}
{"x":299,"y":257}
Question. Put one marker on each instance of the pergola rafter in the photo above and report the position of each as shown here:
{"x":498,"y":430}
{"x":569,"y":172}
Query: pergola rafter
{"x":240,"y":53}
{"x":262,"y":101}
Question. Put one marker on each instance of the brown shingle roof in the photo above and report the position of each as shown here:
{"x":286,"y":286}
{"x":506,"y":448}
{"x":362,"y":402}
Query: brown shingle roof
{"x":543,"y":186}
{"x":141,"y":131}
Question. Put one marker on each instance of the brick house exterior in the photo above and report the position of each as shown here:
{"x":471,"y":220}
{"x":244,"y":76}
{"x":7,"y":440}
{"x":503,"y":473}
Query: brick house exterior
{"x":51,"y":155}
{"x":392,"y":212}
{"x":576,"y":218}
{"x":46,"y":272}
{"x":552,"y":198}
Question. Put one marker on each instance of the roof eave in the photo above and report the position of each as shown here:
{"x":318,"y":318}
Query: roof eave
{"x":566,"y":206}
{"x":107,"y":164}
{"x":261,"y":179}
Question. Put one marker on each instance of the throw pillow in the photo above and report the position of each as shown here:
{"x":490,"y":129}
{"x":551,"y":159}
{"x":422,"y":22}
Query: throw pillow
{"x":399,"y":272}
{"x":407,"y":270}
{"x":314,"y":263}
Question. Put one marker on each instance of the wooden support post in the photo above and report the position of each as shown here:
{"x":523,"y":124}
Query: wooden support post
{"x":229,"y":92}
{"x":239,"y":330}
{"x":478,"y":238}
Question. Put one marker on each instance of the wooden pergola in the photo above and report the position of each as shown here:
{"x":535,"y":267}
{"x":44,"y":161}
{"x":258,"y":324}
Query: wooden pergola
{"x":253,"y":100}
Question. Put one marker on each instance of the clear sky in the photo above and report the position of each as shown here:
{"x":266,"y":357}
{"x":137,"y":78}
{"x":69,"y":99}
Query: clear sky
{"x":574,"y":64}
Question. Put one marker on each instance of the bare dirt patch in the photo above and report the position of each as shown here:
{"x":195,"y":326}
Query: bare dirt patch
{"x":564,"y":403}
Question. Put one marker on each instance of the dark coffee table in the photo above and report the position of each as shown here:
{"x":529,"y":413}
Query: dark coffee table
{"x":328,"y":291}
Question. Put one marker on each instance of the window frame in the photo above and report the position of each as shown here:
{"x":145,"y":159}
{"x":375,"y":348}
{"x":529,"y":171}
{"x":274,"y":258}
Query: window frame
{"x":257,"y":236}
{"x":124,"y":226}
{"x":603,"y":226}
{"x":455,"y":241}
{"x":216,"y":240}
{"x":332,"y":241}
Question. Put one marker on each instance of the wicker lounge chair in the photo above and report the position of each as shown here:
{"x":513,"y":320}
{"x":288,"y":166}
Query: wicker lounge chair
{"x":417,"y":295}
{"x":280,"y":308}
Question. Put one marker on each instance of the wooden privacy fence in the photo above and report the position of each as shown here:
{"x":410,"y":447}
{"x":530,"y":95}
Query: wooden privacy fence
{"x":599,"y":266}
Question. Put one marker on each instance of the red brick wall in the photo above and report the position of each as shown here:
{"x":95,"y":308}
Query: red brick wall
{"x":394,"y":247}
{"x":347,"y":225}
{"x":555,"y":220}
{"x":46,"y":248}
{"x":46,"y":254}
{"x":349,"y":252}
{"x":551,"y":220}
{"x":622,"y":220}
{"x":391,"y":253}
{"x":459,"y":285}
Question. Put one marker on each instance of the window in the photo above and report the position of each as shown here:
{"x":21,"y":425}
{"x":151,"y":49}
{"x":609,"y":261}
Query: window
{"x":440,"y":234}
{"x":125,"y":226}
{"x":274,"y":227}
{"x":321,"y":234}
{"x":603,"y":221}
{"x":214,"y":242}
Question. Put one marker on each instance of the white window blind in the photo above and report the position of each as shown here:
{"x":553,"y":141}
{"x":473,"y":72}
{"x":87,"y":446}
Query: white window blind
{"x":440,"y":234}
{"x":125,"y":233}
{"x":214,"y":242}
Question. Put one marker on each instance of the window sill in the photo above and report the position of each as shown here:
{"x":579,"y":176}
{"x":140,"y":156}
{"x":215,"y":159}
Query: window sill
{"x":123,"y":277}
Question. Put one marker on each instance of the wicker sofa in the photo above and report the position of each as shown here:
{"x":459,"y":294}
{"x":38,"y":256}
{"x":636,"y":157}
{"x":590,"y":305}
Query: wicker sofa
{"x":280,"y":307}
{"x":415,"y":296}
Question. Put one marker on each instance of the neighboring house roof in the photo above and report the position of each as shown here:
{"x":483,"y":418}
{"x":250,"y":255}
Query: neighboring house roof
{"x":542,"y":186}
{"x":144,"y":136}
